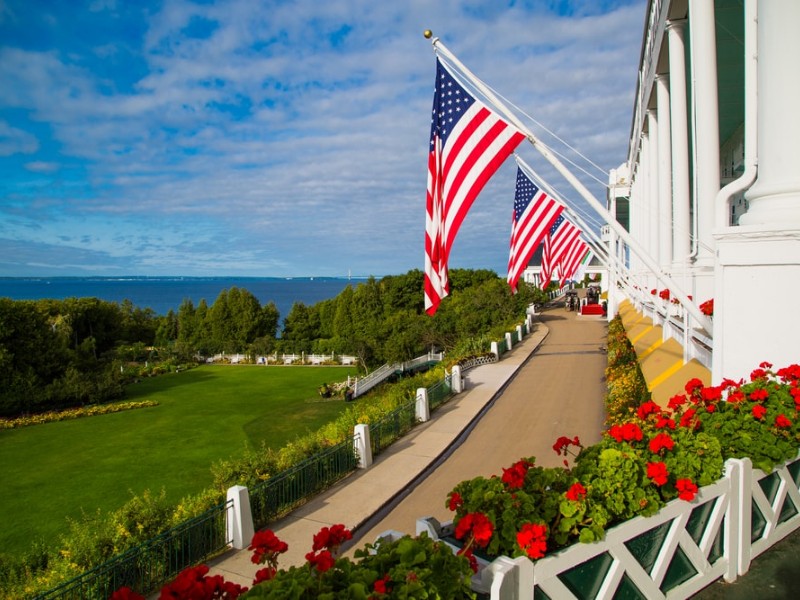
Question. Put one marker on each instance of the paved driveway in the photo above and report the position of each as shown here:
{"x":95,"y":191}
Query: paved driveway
{"x":558,"y":391}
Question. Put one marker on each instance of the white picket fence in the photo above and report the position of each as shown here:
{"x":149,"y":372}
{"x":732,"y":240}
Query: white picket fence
{"x":671,"y":555}
{"x":286,"y":359}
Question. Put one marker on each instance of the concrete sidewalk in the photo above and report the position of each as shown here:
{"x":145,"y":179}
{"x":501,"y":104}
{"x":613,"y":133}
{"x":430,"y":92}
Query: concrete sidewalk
{"x":361,"y":495}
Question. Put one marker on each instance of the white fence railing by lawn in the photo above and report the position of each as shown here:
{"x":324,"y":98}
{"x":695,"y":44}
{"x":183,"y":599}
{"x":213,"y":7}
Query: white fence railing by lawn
{"x":364,"y":384}
{"x":671,"y":555}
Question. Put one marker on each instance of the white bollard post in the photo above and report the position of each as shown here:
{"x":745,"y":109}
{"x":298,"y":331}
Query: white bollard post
{"x":239,"y":521}
{"x":519,"y":332}
{"x":495,"y":350}
{"x":363,"y":445}
{"x":422,"y":409}
{"x":509,"y":344}
{"x":456,"y":383}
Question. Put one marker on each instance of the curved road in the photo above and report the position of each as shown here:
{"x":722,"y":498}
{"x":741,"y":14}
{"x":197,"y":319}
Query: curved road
{"x":558,"y":391}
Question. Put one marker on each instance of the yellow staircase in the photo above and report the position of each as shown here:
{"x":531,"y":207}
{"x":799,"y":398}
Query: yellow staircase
{"x":661,"y":361}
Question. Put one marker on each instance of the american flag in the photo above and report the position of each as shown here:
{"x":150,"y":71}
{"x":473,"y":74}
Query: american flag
{"x":534,"y":213}
{"x":561,"y":236}
{"x":468,"y":144}
{"x":572,"y":258}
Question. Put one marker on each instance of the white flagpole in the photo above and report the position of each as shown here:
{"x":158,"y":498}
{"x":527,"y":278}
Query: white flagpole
{"x":665,"y":279}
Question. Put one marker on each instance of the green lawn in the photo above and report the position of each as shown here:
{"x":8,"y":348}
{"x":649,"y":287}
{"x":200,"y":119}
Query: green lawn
{"x":56,"y":470}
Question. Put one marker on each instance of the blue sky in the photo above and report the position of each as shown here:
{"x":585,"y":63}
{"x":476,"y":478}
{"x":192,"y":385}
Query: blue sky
{"x":279,"y":138}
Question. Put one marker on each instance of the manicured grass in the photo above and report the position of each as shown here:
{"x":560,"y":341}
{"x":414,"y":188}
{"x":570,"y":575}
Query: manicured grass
{"x":57,"y":470}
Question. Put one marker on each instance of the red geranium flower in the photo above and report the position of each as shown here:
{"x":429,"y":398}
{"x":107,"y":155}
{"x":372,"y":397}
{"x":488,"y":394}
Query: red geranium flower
{"x":688,"y":420}
{"x":661,"y":441}
{"x":664,"y":294}
{"x":264,"y":574}
{"x":331,"y":537}
{"x":686,"y":489}
{"x":514,"y":476}
{"x":532,"y":539}
{"x":676,"y":401}
{"x":196,"y":584}
{"x":694,"y":385}
{"x":790,"y":373}
{"x":737,"y":396}
{"x":648,"y":408}
{"x":782,"y":422}
{"x":322,"y":560}
{"x":381,"y":586}
{"x":125,"y":593}
{"x":627,"y":431}
{"x":707,"y":308}
{"x":758,"y":374}
{"x":563,"y":443}
{"x":758,"y":395}
{"x":759,"y":410}
{"x":576,"y":492}
{"x":467,"y":553}
{"x":711,"y":394}
{"x":657,"y":472}
{"x":266,"y":546}
{"x":455,"y":500}
{"x":478,"y":525}
{"x":665,"y":422}
{"x":654,"y":291}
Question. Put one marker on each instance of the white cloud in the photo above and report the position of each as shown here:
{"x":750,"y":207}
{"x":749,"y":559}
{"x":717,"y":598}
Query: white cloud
{"x":16,"y":141}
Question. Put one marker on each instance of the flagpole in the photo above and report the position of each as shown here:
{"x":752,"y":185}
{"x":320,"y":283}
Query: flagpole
{"x":665,"y":279}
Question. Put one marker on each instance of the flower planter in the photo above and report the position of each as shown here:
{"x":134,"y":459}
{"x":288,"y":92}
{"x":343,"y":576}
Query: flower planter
{"x":673,"y":554}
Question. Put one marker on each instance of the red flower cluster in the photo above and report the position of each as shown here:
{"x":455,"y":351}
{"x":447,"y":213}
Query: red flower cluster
{"x":476,"y":524}
{"x":759,"y":395}
{"x":195,"y":583}
{"x":657,"y":472}
{"x":266,"y":547}
{"x":707,"y":308}
{"x":125,"y":593}
{"x":782,"y":422}
{"x":759,"y":411}
{"x":563,"y":443}
{"x":664,"y":294}
{"x":514,"y":476}
{"x":660,"y":442}
{"x":648,"y":408}
{"x":322,"y":560}
{"x":381,"y":586}
{"x":454,"y":501}
{"x":626,"y":432}
{"x":686,"y":489}
{"x":326,"y":544}
{"x":576,"y":492}
{"x":532,"y":539}
{"x":331,"y":537}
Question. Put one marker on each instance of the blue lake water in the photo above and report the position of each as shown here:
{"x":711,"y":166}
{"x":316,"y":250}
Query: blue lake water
{"x":163,"y":294}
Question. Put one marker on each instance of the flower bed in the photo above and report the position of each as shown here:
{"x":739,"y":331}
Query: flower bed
{"x":74,"y":413}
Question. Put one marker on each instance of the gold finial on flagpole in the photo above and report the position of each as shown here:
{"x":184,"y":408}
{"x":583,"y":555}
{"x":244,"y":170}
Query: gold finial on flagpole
{"x":428,"y":34}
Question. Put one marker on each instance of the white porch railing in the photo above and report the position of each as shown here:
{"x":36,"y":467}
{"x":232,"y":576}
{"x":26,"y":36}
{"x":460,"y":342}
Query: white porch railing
{"x":671,"y":555}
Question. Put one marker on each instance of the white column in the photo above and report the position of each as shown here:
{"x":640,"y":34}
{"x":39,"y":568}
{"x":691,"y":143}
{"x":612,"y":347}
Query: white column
{"x":679,"y":134}
{"x":664,"y":173}
{"x":775,"y":197}
{"x":763,"y":253}
{"x":653,"y":244}
{"x":706,"y":140}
